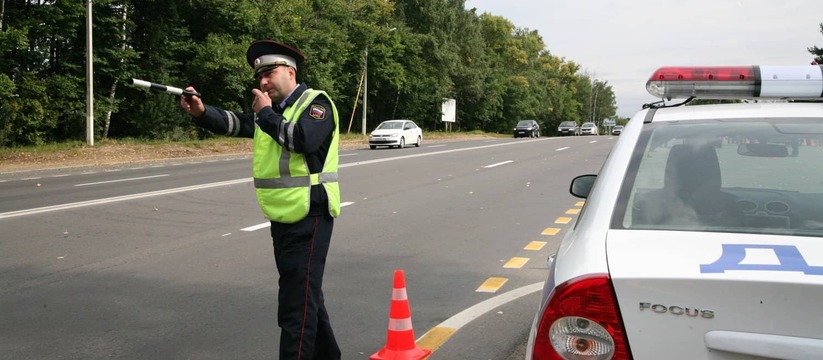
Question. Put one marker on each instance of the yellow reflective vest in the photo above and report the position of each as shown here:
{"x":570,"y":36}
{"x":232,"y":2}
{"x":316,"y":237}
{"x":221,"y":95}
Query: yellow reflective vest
{"x":281,"y":177}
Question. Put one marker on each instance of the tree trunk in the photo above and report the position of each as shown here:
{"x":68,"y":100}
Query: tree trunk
{"x":107,"y":122}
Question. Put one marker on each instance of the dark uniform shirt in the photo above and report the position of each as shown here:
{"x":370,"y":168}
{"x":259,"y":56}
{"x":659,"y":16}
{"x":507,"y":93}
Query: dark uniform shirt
{"x":311,"y":137}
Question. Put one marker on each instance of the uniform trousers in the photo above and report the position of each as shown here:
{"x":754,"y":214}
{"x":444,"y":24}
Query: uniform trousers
{"x":300,"y":251}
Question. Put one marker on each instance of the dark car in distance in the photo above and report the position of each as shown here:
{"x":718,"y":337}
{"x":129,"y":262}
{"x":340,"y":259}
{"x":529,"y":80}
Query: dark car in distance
{"x":568,"y":128}
{"x":527,"y":128}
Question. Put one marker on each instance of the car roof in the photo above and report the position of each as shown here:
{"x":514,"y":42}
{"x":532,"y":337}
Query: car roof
{"x":735,"y":111}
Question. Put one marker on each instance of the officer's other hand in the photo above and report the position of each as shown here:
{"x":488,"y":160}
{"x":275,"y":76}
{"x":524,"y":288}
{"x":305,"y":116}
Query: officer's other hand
{"x":192,"y":104}
{"x":261,"y":100}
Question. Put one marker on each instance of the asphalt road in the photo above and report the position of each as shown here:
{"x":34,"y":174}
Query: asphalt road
{"x":174,"y":260}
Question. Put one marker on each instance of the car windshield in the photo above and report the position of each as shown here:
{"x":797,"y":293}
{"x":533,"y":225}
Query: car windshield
{"x":588,"y":124}
{"x":742,"y":176}
{"x":524,"y":123}
{"x":567,"y":123}
{"x":390,"y":125}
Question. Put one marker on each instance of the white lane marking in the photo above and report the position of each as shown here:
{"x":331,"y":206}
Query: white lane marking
{"x":466,"y":316}
{"x":268,"y":223}
{"x":563,"y":148}
{"x":122,"y":180}
{"x":44,"y":209}
{"x":440,"y":152}
{"x":80,"y":204}
{"x":257,"y":227}
{"x":498,"y":164}
{"x":435,"y":146}
{"x":592,"y":142}
{"x":344,"y":155}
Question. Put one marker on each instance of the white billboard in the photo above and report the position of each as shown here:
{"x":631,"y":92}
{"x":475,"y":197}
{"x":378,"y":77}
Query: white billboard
{"x":449,"y":110}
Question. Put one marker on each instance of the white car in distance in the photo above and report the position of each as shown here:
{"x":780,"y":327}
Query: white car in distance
{"x":399,"y":133}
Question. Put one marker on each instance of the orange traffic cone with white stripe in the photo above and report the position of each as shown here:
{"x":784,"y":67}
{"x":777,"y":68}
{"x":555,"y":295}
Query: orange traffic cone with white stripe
{"x":400,"y":339}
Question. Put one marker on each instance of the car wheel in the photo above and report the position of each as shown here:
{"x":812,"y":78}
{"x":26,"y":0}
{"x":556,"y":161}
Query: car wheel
{"x":419,"y":141}
{"x":372,"y":147}
{"x":402,"y":143}
{"x":538,"y":134}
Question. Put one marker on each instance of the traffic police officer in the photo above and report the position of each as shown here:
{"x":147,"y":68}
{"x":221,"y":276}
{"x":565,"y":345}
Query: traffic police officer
{"x":295,"y":131}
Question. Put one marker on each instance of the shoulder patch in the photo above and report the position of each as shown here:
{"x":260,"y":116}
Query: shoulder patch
{"x":317,"y":111}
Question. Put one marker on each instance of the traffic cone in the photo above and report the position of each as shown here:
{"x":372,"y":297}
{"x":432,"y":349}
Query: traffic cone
{"x":400,"y":339}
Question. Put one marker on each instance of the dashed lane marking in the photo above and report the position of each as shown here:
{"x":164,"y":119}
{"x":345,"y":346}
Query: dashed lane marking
{"x":516,"y":263}
{"x":492,"y":284}
{"x":122,"y":180}
{"x":535,"y":246}
{"x":550,"y":231}
{"x":437,"y":336}
{"x":498,"y":164}
{"x":580,"y":203}
{"x":573,"y":211}
{"x":268,"y":223}
{"x":563,"y":220}
{"x":257,"y":227}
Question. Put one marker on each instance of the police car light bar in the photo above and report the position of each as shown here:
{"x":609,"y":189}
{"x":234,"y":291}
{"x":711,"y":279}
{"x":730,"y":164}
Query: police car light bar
{"x":737,"y":82}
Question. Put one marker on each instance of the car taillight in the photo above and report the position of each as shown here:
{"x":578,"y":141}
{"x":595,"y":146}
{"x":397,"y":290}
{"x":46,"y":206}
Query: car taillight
{"x":582,"y":322}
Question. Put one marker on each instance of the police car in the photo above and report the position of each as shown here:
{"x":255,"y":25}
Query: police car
{"x":702,"y":235}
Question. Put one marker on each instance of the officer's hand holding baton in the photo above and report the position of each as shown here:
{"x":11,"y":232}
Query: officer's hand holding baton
{"x":192,"y":104}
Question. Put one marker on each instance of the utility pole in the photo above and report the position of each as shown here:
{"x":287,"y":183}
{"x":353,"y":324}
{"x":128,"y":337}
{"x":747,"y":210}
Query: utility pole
{"x":594,"y":102}
{"x":89,"y":79}
{"x":365,"y":86}
{"x":366,"y":82}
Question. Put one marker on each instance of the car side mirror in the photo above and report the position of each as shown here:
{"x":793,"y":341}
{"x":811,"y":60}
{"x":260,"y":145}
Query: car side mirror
{"x":582,"y":185}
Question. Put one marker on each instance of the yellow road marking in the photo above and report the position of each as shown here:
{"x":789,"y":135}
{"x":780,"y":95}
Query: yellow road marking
{"x":516,"y":263}
{"x":580,"y":203}
{"x":492,"y":284}
{"x":563,"y":220}
{"x":535,"y":245}
{"x":573,"y":211}
{"x":551,"y":231}
{"x":435,"y":338}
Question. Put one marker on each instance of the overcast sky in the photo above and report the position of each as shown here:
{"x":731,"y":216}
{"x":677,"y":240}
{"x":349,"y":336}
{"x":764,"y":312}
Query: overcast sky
{"x":624,"y":41}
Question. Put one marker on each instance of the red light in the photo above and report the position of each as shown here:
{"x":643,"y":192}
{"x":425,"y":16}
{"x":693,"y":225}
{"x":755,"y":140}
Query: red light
{"x":705,"y":73}
{"x":590,"y":297}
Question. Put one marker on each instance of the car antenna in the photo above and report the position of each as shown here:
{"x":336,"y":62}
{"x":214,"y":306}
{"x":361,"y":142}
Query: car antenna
{"x":662,"y":104}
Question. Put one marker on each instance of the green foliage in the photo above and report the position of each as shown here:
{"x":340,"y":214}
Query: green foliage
{"x":419,"y":52}
{"x":816,"y":51}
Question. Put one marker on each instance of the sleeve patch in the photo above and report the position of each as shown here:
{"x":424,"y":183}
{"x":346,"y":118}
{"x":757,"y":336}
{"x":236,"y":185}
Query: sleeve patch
{"x":317,"y":111}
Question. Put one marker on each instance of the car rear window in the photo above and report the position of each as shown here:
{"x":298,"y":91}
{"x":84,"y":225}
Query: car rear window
{"x":744,"y":176}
